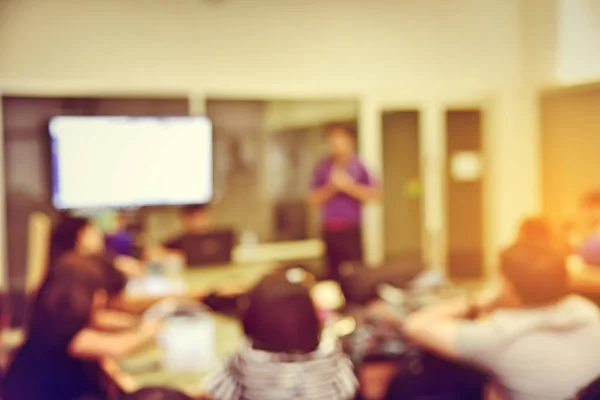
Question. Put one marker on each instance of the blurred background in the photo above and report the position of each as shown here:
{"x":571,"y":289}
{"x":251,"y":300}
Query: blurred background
{"x":473,"y":113}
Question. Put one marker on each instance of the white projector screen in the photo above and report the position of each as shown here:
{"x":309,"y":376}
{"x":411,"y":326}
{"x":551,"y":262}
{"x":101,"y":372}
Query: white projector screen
{"x":121,"y":162}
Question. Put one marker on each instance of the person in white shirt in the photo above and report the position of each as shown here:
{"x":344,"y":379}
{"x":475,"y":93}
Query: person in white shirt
{"x":536,"y":340}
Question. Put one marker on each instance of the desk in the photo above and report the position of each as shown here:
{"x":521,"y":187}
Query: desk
{"x":125,"y":376}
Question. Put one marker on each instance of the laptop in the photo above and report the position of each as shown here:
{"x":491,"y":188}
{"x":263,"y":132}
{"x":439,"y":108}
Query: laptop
{"x":208,"y":249}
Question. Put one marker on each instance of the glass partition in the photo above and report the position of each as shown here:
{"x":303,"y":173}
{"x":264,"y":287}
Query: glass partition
{"x":265,"y":153}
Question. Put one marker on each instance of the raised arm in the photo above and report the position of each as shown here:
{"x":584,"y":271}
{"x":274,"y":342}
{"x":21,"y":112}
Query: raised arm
{"x":436,"y":327}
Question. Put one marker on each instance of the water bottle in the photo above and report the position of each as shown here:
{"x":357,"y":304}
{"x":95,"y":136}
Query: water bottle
{"x":249,"y":242}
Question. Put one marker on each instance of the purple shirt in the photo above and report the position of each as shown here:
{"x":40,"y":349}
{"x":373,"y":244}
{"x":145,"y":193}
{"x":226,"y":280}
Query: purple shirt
{"x":342,"y":210}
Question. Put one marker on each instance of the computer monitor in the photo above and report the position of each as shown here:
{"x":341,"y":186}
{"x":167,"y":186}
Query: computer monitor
{"x":128,"y":162}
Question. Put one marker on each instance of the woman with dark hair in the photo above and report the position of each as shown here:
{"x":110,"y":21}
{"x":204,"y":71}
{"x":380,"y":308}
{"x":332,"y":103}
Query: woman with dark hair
{"x":284,"y":356}
{"x":75,"y":234}
{"x":62,"y":345}
{"x":81,"y":236}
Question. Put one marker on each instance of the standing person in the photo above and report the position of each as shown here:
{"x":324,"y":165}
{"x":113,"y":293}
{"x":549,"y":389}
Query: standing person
{"x":341,"y":185}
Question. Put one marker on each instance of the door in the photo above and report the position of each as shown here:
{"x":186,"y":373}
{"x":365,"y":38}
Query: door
{"x":464,"y":193}
{"x":402,"y":191}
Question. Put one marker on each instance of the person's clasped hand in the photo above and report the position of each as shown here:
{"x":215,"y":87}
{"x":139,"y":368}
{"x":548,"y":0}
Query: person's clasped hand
{"x":340,"y":179}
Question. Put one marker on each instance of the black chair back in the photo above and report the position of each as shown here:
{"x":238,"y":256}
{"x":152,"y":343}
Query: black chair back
{"x":360,"y":283}
{"x":437,"y":379}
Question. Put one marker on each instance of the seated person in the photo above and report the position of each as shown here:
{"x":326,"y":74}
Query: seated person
{"x":120,"y":243}
{"x":199,"y":243}
{"x":157,"y":393}
{"x":583,"y":279}
{"x":284,"y":356}
{"x":80,"y":235}
{"x":537,"y":341}
{"x":63,"y":345}
{"x":119,"y":232}
{"x":196,"y":221}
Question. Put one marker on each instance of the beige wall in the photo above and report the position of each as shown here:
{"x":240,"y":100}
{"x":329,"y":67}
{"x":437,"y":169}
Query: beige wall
{"x":570,"y":144}
{"x":281,"y":115}
{"x":429,"y":54}
{"x":264,"y":45}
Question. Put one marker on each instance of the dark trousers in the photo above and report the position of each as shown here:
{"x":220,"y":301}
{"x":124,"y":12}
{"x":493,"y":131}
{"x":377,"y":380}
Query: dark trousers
{"x":342,"y":246}
{"x":439,"y":379}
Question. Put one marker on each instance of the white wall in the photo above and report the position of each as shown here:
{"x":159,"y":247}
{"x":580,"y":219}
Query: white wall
{"x":579,"y":41}
{"x":428,"y":53}
{"x":560,"y":41}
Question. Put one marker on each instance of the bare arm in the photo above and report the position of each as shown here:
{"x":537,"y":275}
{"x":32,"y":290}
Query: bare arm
{"x":91,"y":343}
{"x":115,"y":320}
{"x":434,"y":327}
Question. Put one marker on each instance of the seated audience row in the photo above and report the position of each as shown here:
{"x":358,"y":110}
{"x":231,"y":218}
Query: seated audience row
{"x":532,"y":335}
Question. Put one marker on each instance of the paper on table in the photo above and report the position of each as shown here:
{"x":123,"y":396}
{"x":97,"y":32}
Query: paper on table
{"x":188,"y":343}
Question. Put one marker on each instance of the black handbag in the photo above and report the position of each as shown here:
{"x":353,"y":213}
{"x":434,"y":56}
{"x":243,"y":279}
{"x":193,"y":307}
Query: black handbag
{"x":419,"y":375}
{"x":437,"y":379}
